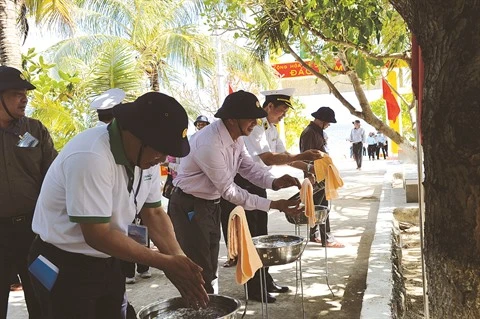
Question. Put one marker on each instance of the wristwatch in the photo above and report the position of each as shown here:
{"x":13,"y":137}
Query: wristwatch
{"x":309,"y":168}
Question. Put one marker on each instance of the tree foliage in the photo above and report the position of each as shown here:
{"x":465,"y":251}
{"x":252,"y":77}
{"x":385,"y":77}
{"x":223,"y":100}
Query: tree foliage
{"x":361,"y":36}
{"x":58,"y":102}
{"x":161,"y":35}
{"x":295,"y":123}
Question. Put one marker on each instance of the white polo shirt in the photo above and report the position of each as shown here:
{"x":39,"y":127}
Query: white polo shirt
{"x":91,"y":181}
{"x":264,"y":138}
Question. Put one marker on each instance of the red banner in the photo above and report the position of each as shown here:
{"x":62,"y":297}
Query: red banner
{"x":293,"y":69}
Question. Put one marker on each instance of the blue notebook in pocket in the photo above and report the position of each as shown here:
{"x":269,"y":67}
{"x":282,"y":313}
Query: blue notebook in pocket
{"x":45,"y":271}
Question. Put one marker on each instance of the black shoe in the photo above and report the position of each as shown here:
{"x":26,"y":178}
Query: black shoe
{"x":258,"y":297}
{"x":273,"y":287}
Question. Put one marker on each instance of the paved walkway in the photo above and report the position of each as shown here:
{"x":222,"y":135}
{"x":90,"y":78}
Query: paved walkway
{"x":353,"y":221}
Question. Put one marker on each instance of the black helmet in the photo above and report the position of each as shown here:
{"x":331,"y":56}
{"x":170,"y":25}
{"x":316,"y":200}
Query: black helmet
{"x":201,"y":118}
{"x":11,"y":78}
{"x":325,"y":114}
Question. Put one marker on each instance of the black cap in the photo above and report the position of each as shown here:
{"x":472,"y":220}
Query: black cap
{"x":158,"y":120}
{"x":201,"y":118}
{"x":241,"y":105}
{"x":356,"y":121}
{"x":11,"y":78}
{"x":325,"y":114}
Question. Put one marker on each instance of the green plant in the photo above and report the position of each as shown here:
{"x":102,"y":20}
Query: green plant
{"x":295,"y":122}
{"x":60,"y":102}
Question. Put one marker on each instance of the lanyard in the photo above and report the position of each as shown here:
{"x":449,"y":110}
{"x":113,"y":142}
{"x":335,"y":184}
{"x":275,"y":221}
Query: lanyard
{"x":137,"y":211}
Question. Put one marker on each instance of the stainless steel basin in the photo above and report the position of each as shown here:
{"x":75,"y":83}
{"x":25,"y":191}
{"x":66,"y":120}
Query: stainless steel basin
{"x":321,"y":214}
{"x":279,"y":249}
{"x":219,"y":307}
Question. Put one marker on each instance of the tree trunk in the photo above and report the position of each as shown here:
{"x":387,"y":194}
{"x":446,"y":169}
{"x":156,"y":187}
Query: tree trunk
{"x":10,"y":53}
{"x":449,"y":35}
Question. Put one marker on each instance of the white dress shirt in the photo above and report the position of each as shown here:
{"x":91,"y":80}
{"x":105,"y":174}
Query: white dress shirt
{"x":214,"y":160}
{"x":264,"y":138}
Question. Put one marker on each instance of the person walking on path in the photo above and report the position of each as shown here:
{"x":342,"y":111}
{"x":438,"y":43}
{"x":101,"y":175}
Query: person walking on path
{"x":382,"y":145}
{"x":27,"y":151}
{"x":372,"y":146}
{"x":266,"y":148}
{"x":218,"y":153}
{"x":105,"y":178}
{"x":357,"y":138}
{"x":313,"y":138}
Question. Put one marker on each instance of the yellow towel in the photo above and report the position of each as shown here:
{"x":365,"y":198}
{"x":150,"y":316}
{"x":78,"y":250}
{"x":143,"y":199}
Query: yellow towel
{"x":325,"y":170}
{"x":306,"y":197}
{"x":240,"y":245}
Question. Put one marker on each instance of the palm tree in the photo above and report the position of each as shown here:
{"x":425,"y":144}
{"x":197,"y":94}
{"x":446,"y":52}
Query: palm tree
{"x":162,"y":35}
{"x":13,"y":23}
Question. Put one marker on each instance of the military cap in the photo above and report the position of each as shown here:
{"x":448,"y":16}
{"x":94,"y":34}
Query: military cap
{"x":281,"y":95}
{"x":107,"y":100}
{"x":11,"y":78}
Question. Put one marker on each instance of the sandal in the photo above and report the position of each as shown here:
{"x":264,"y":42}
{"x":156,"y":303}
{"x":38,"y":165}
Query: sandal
{"x":230,"y":263}
{"x":334,"y":244}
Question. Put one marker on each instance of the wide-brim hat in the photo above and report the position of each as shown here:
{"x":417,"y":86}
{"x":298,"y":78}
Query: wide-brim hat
{"x":13,"y":79}
{"x":325,"y":114}
{"x":201,"y":118}
{"x":241,"y":105}
{"x":158,"y":120}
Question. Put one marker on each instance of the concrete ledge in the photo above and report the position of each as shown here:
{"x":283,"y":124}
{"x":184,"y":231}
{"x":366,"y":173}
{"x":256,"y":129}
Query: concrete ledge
{"x":411,"y":190}
{"x":378,"y":294}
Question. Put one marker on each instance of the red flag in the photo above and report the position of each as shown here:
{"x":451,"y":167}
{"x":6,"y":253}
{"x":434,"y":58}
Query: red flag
{"x":230,"y":89}
{"x":392,"y":105}
{"x":417,"y":80}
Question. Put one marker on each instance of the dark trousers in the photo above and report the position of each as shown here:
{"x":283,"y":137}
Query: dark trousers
{"x":197,"y":226}
{"x":321,"y":231}
{"x":15,"y":241}
{"x":357,"y":153}
{"x":384,"y":149}
{"x":372,"y":150}
{"x":86,"y":287}
{"x":257,"y":224}
{"x":128,"y":268}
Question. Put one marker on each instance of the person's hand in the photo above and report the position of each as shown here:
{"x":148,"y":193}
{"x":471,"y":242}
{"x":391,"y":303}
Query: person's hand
{"x":311,"y":155}
{"x":187,"y":278}
{"x":312,"y":178}
{"x":289,"y":207}
{"x":284,"y":182}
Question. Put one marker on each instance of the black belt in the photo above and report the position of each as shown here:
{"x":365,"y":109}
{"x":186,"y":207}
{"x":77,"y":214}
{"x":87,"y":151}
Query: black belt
{"x":179,"y":191}
{"x":13,"y":220}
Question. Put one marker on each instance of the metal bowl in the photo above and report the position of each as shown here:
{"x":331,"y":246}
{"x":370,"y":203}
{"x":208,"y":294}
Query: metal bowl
{"x":321,"y":214}
{"x":175,"y":308}
{"x":279,"y":249}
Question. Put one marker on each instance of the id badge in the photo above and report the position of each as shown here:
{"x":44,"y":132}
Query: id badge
{"x":27,"y":140}
{"x":139,"y":233}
